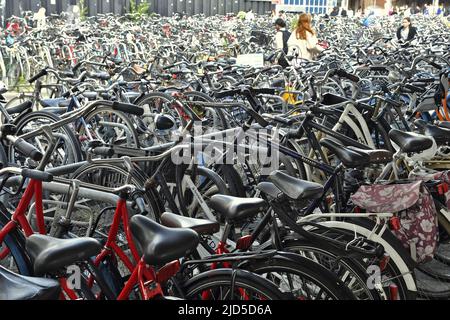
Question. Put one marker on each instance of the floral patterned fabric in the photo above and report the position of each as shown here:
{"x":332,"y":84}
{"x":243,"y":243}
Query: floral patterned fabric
{"x":414,"y":205}
{"x":443,"y":176}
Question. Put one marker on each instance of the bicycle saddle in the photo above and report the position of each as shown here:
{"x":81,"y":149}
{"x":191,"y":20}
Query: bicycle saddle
{"x":269,"y":189}
{"x":50,"y":254}
{"x":378,"y":156}
{"x":104,"y":76}
{"x":160,"y":245}
{"x":234,"y":209}
{"x":350,"y":158}
{"x":201,"y":226}
{"x":20,"y":108}
{"x":410,"y":143}
{"x":17,"y":287}
{"x":90,"y":95}
{"x":440,"y":135}
{"x":294,"y":188}
{"x":329,"y":99}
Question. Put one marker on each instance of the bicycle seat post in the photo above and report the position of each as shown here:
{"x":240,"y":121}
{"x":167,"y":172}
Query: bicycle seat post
{"x":61,"y":224}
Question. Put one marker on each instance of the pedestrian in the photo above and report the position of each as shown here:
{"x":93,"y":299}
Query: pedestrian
{"x":281,"y":41}
{"x":250,"y":16}
{"x":334,"y":12}
{"x":406,"y":33}
{"x":303,"y":41}
{"x":359,"y":12}
{"x":282,"y":15}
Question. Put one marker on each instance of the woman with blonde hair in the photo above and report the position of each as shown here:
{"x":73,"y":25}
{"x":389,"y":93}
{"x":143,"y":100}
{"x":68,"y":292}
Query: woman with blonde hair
{"x":303,"y":41}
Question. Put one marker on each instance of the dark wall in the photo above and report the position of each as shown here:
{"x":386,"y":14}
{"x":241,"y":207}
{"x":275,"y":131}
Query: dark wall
{"x":163,"y":7}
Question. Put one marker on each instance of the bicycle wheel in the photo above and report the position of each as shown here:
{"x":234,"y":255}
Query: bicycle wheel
{"x":159,"y":102}
{"x":68,"y":150}
{"x":194,"y":190}
{"x":12,"y":251}
{"x":110,"y":126}
{"x":348,"y":270}
{"x":215,"y":117}
{"x":305,"y":279}
{"x":392,"y":274}
{"x":228,"y":284}
{"x":113,"y":176}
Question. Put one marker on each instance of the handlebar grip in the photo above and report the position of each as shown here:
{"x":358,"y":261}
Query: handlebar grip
{"x":128,"y":108}
{"x":434,"y":64}
{"x":103,"y":151}
{"x":42,"y":73}
{"x":344,"y":74}
{"x":28,"y":150}
{"x":287,"y":122}
{"x":37,"y":175}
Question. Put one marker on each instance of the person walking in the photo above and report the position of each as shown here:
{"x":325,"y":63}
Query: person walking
{"x":303,"y":41}
{"x":281,"y":41}
{"x":334,"y":12}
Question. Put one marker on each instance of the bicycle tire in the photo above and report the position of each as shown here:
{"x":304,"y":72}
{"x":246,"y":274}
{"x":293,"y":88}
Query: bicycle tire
{"x":203,"y":97}
{"x":74,"y":157}
{"x":350,"y":269}
{"x":123,"y":117}
{"x":184,"y":197}
{"x":243,"y":279}
{"x":15,"y":242}
{"x":302,"y":267}
{"x":138,"y":179}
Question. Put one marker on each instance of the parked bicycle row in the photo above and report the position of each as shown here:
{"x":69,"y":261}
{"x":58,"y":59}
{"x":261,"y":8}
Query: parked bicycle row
{"x":169,"y":176}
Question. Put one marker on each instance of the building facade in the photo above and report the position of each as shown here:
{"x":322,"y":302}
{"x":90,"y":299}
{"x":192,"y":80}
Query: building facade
{"x":311,"y":6}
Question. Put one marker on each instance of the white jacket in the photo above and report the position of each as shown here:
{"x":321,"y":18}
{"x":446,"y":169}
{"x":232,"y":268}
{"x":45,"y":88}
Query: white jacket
{"x":302,"y":47}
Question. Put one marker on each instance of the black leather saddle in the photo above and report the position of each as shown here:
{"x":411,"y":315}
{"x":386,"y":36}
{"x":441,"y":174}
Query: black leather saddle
{"x":234,"y":209}
{"x":17,"y":287}
{"x":201,"y":226}
{"x":440,"y":134}
{"x":350,"y":158}
{"x":49,"y":255}
{"x":294,"y":188}
{"x":353,"y":157}
{"x":160,"y":245}
{"x":270,"y":190}
{"x":410,"y":143}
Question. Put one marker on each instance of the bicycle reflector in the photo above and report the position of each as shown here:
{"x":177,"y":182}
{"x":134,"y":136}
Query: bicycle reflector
{"x":395,"y":223}
{"x":393,"y":290}
{"x":384,"y":262}
{"x":244,"y":243}
{"x":443,"y":188}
